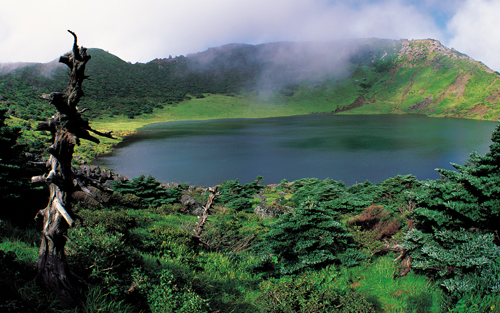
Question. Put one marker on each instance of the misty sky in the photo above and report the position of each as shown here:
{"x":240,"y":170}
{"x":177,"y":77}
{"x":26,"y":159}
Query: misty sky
{"x":139,"y":31}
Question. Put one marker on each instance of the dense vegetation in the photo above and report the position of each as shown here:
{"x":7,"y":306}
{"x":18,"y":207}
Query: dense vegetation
{"x":367,"y":76}
{"x":322,"y":247}
{"x":304,"y":246}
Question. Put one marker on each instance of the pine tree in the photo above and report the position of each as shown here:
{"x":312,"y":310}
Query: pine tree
{"x":8,"y":156}
{"x":457,"y":222}
{"x":149,"y":190}
{"x":17,"y":194}
{"x":307,"y":237}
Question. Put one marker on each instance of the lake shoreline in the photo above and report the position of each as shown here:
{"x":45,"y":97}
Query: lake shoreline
{"x":214,"y":107}
{"x":121,"y":135}
{"x":384,"y":134}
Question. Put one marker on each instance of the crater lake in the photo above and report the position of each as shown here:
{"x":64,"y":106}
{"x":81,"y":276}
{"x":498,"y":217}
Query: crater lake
{"x":349,"y":148}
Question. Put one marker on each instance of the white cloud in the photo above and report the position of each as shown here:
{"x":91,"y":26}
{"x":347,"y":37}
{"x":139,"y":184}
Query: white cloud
{"x":134,"y":30}
{"x":476,"y":32}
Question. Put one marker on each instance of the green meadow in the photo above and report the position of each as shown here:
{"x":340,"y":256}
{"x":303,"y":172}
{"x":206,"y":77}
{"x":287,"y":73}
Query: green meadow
{"x":309,"y":245}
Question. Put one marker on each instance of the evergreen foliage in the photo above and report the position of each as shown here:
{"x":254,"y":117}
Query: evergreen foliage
{"x":165,"y":295}
{"x":9,"y":152}
{"x":15,"y":171}
{"x":308,"y":76}
{"x":236,"y":196}
{"x":336,"y":197}
{"x":298,"y":295}
{"x":149,"y":190}
{"x":457,"y":223}
{"x":307,"y":237}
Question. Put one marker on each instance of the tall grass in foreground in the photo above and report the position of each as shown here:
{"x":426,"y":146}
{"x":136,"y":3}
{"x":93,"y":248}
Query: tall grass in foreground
{"x":411,"y":293}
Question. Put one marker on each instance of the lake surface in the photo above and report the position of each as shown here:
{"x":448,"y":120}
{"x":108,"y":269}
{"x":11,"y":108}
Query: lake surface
{"x":350,"y":148}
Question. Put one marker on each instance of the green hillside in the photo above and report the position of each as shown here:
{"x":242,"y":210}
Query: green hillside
{"x":367,"y":76}
{"x":310,"y":245}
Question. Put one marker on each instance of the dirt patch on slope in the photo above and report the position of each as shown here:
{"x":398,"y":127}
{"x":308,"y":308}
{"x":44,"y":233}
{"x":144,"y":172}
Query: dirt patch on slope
{"x":480,"y":110}
{"x":493,"y":97}
{"x":422,"y":104}
{"x":458,"y":86}
{"x":359,"y":102}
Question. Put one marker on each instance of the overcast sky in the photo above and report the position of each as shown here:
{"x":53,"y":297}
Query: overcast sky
{"x":139,"y":31}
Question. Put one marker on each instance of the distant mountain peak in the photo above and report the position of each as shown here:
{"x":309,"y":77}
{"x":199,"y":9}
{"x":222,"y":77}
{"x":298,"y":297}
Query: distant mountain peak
{"x":355,"y":76}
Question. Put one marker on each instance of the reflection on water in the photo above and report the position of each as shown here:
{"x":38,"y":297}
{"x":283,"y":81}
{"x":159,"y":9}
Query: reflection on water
{"x":351,"y":148}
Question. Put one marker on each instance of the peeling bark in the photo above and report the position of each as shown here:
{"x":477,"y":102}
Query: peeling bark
{"x":67,"y":128}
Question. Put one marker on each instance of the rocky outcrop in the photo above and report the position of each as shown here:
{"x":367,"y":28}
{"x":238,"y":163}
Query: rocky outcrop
{"x":359,"y":102}
{"x":423,"y":48}
{"x":422,"y":104}
{"x":191,"y":206}
{"x":271,"y":210}
{"x":97,"y":176}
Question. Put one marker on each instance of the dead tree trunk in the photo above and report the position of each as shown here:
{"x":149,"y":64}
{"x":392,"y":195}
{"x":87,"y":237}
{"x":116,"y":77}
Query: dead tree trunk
{"x":66,"y":127}
{"x":197,"y":232}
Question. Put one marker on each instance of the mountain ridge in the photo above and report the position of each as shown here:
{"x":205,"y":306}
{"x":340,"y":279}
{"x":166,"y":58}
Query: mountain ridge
{"x":355,"y":76}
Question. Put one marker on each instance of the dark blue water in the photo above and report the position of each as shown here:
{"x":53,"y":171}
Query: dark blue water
{"x":350,"y":148}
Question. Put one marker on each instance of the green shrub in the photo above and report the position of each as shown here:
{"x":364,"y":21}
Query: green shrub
{"x":294,"y":295}
{"x":16,"y":190}
{"x":161,"y":241}
{"x":113,"y":221}
{"x":456,"y":225}
{"x":238,"y":197}
{"x":307,"y":237}
{"x":477,"y":303}
{"x":167,"y":295}
{"x":149,"y":190}
{"x":230,"y":231}
{"x":334,"y":195}
{"x":102,"y":257}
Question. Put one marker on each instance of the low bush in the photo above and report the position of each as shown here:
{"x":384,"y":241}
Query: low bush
{"x":238,"y":197}
{"x":166,"y":294}
{"x":102,"y":257}
{"x":149,"y":190}
{"x":297,"y":295}
{"x":307,"y":237}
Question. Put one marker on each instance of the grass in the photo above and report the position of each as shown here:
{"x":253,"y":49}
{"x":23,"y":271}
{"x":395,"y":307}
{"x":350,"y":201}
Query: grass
{"x":225,"y":278}
{"x":411,"y":293}
{"x":431,"y":76}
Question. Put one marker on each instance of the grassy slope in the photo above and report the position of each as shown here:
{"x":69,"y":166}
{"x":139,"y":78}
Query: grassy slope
{"x":227,"y":282}
{"x":224,"y":277}
{"x":210,"y":107}
{"x":458,"y":87}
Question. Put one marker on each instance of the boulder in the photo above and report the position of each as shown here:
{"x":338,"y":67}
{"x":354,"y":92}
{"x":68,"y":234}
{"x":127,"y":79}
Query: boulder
{"x":270,"y":210}
{"x":264,"y":212}
{"x":191,"y":206}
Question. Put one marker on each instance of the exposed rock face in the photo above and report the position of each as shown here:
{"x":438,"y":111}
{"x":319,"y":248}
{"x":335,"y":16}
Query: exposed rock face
{"x":98,"y":176}
{"x":264,"y":212}
{"x":359,"y":102}
{"x":272,"y":210}
{"x":420,"y":49}
{"x":191,"y":206}
{"x":422,"y":104}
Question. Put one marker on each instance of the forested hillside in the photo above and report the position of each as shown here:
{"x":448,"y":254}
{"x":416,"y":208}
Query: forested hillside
{"x":139,"y":245}
{"x":361,"y":76}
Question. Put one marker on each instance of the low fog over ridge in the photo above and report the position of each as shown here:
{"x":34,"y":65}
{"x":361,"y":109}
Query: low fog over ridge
{"x":280,"y":64}
{"x":47,"y":69}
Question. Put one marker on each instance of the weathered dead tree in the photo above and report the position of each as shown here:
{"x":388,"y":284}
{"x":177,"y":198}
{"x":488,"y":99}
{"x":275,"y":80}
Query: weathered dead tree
{"x":230,"y":240}
{"x":67,"y":128}
{"x":196,"y":236}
